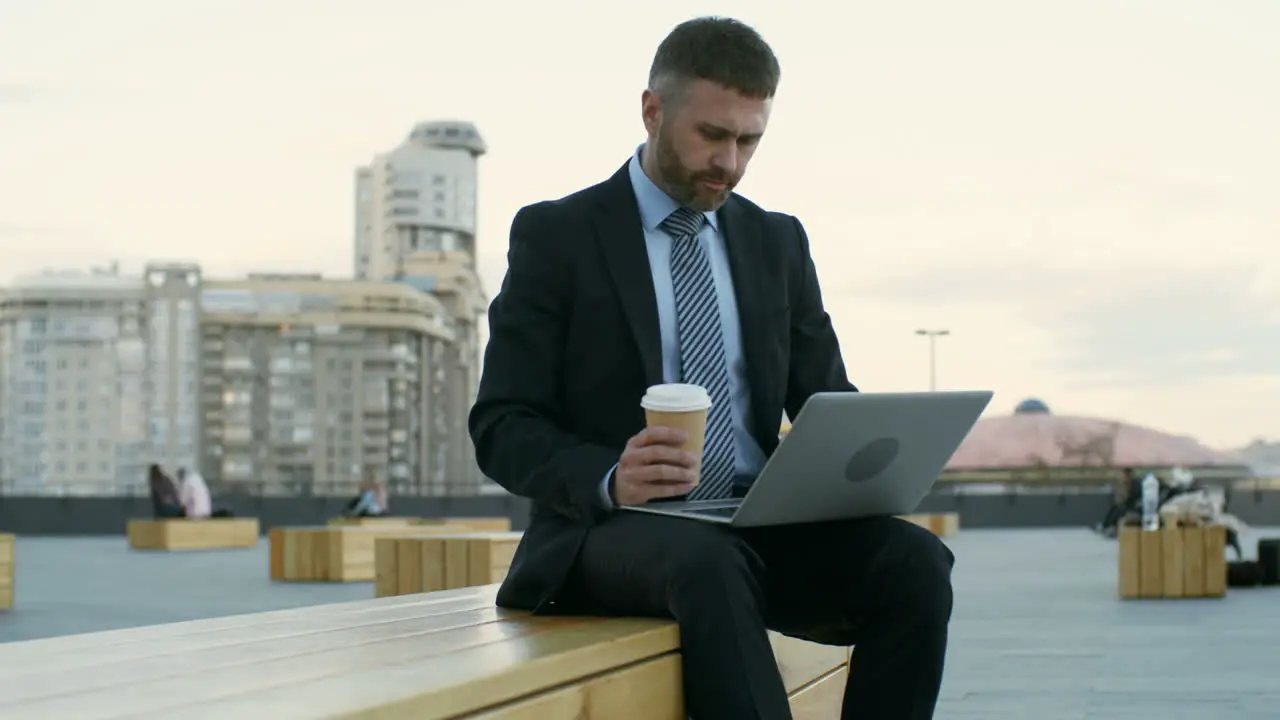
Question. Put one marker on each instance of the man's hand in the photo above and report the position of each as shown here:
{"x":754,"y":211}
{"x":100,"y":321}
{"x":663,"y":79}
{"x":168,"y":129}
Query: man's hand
{"x":653,"y":466}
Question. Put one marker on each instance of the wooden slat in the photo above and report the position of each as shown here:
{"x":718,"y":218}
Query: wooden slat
{"x":1130,"y":562}
{"x":1172,"y":562}
{"x":1215,"y":561}
{"x":385,"y":568}
{"x":8,"y":570}
{"x":1149,"y":580}
{"x":275,"y":540}
{"x":1193,"y":566}
{"x":201,"y":534}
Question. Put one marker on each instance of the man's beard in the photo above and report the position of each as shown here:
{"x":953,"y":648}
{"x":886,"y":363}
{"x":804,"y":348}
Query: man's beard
{"x":683,"y":185}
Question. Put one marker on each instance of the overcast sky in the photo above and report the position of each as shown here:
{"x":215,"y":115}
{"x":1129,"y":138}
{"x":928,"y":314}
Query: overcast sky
{"x":1083,"y":191}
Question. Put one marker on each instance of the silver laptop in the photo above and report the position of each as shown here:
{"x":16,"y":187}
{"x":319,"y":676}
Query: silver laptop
{"x":848,"y":455}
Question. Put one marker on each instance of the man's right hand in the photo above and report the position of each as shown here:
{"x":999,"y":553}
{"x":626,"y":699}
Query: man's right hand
{"x":653,"y":466}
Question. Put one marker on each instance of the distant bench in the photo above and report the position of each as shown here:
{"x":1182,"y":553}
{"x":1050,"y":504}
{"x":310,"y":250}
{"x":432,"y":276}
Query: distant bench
{"x":453,"y":560}
{"x":451,"y":654}
{"x":1173,"y":562}
{"x":345,"y":553}
{"x":7,"y":570}
{"x":193,"y":534}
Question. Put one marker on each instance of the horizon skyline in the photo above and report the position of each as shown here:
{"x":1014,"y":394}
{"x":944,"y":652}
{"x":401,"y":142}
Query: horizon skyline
{"x":992,"y":410}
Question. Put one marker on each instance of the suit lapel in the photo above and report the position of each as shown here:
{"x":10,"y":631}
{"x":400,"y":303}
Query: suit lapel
{"x":621,"y":239}
{"x":744,"y":244}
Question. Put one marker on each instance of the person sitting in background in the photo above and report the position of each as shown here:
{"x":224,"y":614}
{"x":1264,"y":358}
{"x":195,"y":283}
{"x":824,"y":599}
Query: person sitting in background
{"x":1128,"y":497}
{"x":165,"y":502}
{"x":195,"y":496}
{"x":371,"y":502}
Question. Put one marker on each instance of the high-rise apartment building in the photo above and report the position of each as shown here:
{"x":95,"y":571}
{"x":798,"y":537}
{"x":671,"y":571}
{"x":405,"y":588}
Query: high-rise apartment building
{"x":98,"y":378}
{"x":309,"y":383}
{"x":415,"y":216}
{"x":279,"y":384}
{"x":419,"y":198}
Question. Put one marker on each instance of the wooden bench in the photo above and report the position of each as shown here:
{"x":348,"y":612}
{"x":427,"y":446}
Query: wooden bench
{"x":8,"y":567}
{"x":406,"y":565}
{"x":337,"y":553}
{"x":1173,"y":562}
{"x":184,"y":534}
{"x":941,"y":524}
{"x":428,"y":656}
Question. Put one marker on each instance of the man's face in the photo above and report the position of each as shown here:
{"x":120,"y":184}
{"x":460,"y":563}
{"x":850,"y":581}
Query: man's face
{"x":703,"y":142}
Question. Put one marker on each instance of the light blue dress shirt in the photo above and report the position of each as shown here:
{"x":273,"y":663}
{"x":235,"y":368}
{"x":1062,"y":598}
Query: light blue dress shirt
{"x":655,"y":206}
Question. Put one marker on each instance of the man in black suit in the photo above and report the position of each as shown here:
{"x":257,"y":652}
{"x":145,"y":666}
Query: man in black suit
{"x":662,"y":274}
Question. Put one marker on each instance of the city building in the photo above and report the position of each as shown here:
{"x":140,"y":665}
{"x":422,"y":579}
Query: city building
{"x":273,"y":384}
{"x":310,"y":383}
{"x":98,"y":378}
{"x":415,"y":223}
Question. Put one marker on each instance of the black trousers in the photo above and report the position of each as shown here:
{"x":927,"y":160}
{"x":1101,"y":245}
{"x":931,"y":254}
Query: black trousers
{"x":882,"y":585}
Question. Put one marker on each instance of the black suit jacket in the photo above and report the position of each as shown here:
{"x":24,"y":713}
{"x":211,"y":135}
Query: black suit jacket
{"x":574,"y":343}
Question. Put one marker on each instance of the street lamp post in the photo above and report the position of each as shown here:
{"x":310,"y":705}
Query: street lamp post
{"x":933,"y":336}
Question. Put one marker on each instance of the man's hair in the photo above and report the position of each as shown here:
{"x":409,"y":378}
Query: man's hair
{"x":721,"y":50}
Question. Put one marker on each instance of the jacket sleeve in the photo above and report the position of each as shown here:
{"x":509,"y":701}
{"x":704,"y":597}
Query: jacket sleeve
{"x":816,"y":362}
{"x":515,"y":423}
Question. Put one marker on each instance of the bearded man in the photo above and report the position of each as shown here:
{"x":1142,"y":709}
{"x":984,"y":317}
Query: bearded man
{"x":661,"y":274}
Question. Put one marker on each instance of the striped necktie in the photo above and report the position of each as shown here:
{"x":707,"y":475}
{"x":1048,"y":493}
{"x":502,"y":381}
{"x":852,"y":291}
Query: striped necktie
{"x":702,"y":359}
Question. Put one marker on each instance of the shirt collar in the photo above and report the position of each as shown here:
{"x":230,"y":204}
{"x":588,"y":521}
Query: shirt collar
{"x":655,"y":204}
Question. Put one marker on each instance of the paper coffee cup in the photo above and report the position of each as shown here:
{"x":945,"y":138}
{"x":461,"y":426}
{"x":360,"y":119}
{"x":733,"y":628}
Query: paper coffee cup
{"x":680,"y":406}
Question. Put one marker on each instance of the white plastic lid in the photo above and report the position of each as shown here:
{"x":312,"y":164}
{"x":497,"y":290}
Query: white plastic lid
{"x":676,"y":397}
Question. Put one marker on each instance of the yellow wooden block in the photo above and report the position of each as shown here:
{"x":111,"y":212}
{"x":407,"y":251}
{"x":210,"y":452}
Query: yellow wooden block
{"x":8,"y":567}
{"x":185,"y":534}
{"x":940,"y":524}
{"x":442,"y":562}
{"x":337,"y":553}
{"x":1172,"y":562}
{"x":451,"y":654}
